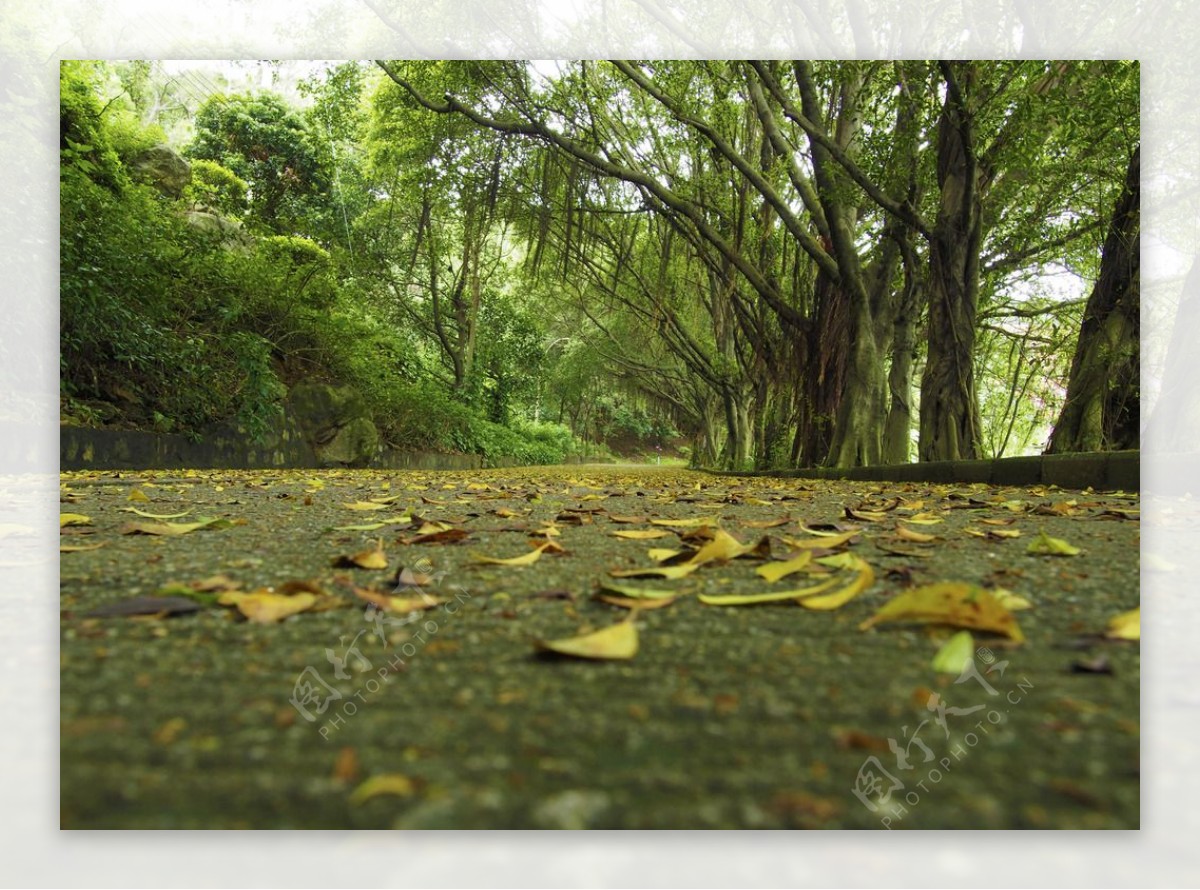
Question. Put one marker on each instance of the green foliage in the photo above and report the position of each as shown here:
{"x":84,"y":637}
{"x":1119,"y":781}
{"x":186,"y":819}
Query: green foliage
{"x":84,"y":142}
{"x":217,"y":187}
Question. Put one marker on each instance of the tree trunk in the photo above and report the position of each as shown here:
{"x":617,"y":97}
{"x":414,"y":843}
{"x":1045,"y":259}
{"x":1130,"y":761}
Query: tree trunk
{"x":1101,"y":409}
{"x":949,"y":406}
{"x":896,"y":440}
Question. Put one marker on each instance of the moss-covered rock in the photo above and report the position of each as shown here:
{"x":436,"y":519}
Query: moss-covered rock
{"x":336,"y":422}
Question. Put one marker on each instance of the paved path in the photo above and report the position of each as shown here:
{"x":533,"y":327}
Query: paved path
{"x":768,"y":716}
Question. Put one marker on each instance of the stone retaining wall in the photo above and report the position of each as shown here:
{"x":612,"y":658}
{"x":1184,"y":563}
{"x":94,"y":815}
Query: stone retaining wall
{"x":1111,"y":470}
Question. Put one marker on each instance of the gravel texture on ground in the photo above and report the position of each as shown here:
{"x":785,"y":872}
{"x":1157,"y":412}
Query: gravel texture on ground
{"x":767,"y":716}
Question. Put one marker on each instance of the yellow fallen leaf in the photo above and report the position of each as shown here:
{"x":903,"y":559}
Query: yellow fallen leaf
{"x":682,"y":523}
{"x":775,"y":596}
{"x":641,"y":535}
{"x":722,"y":548}
{"x":958,"y":652}
{"x":827,"y":542}
{"x":922,"y":519}
{"x":136,"y":494}
{"x":400,"y":604}
{"x":671,"y":572}
{"x":662,"y":554}
{"x":1044,"y":545}
{"x":79,"y":548}
{"x":955,"y":604}
{"x":916,"y":537}
{"x":393,"y":784}
{"x":527,"y":559}
{"x":773,"y":571}
{"x":1126,"y":626}
{"x":636,"y":593}
{"x":263,"y":606}
{"x":839,"y":598}
{"x":618,"y":642}
{"x":365,"y":505}
{"x":371,"y":558}
{"x":1011,"y":601}
{"x":171,"y":529}
{"x":146,"y":515}
{"x":765,"y":523}
{"x":374,"y":526}
{"x":65,"y":519}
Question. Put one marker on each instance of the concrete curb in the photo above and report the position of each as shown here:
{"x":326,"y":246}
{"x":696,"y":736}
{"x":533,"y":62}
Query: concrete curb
{"x":1108,"y":470}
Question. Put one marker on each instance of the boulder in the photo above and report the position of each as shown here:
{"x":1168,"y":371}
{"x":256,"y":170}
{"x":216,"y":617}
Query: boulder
{"x":336,"y":423}
{"x":162,"y":167}
{"x":228,"y":230}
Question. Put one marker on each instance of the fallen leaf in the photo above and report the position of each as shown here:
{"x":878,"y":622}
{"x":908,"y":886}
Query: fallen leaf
{"x":447,"y":536}
{"x":1126,"y":626}
{"x":527,"y":559}
{"x":907,"y":534}
{"x":663,"y":554}
{"x":345,"y":767}
{"x":172,"y":529}
{"x":775,"y":596}
{"x":956,"y":654}
{"x":146,"y":515}
{"x":399,"y":604}
{"x":774,"y":571}
{"x":647,"y":593}
{"x":371,"y":558}
{"x":65,"y":519}
{"x":839,"y":598}
{"x":618,"y":642}
{"x":136,"y":494}
{"x":1011,"y":601}
{"x":1044,"y":545}
{"x":264,"y":606}
{"x":394,"y":784}
{"x":365,"y":505}
{"x":955,"y":604}
{"x":79,"y":548}
{"x":722,"y":548}
{"x":641,"y":535}
{"x":374,"y":526}
{"x":827,"y":542}
{"x":922,"y":519}
{"x":681,"y":523}
{"x":626,"y":520}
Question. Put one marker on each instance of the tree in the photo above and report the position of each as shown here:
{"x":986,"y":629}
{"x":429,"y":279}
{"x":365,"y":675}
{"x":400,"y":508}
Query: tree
{"x":1101,"y":408}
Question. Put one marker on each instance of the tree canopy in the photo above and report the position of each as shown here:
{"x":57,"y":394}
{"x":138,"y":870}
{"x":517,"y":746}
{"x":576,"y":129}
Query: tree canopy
{"x":758,"y":263}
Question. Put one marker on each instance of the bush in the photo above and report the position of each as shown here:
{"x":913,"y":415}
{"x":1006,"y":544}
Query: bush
{"x":217,"y":187}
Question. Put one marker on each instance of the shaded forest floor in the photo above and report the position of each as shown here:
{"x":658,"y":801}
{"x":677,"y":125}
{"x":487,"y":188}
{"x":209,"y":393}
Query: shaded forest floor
{"x":749,"y":716}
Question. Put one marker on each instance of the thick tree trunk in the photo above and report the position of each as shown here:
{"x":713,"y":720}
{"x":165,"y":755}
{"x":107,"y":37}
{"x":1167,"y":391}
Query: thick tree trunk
{"x":1101,"y":409}
{"x":949,"y":406}
{"x":896,"y":432}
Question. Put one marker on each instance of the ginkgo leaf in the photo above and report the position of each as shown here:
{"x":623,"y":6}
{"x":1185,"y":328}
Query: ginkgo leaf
{"x":641,"y":535}
{"x":775,"y":596}
{"x":660,"y":554}
{"x":618,"y":642}
{"x":922,"y":519}
{"x":826,"y":542}
{"x":365,"y":505}
{"x":1011,"y":601}
{"x":822,"y":533}
{"x":916,"y":537}
{"x":671,"y":572}
{"x":839,"y":598}
{"x":838,"y":561}
{"x":527,"y":559}
{"x":1044,"y":545}
{"x":65,"y":519}
{"x":400,"y":604}
{"x":146,"y":515}
{"x":956,"y":654}
{"x":371,"y":558}
{"x":170,"y":529}
{"x":955,"y":604}
{"x":722,"y":548}
{"x":631,"y":592}
{"x":264,"y":606}
{"x":773,"y":571}
{"x":394,"y":784}
{"x":137,"y":495}
{"x":1126,"y":626}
